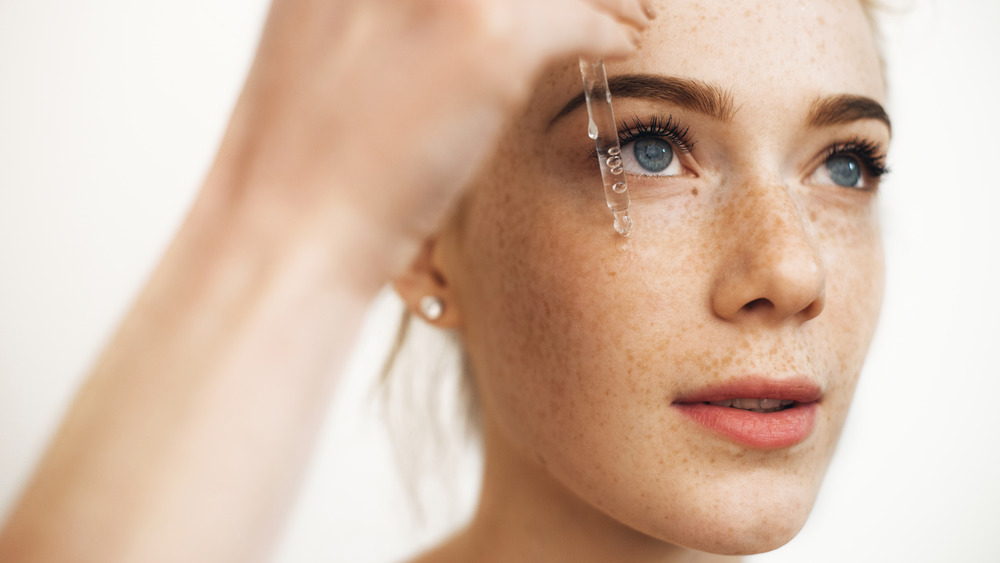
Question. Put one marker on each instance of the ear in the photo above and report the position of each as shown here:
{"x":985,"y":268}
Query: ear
{"x":425,"y":289}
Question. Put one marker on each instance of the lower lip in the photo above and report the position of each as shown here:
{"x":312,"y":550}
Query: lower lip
{"x":771,"y":430}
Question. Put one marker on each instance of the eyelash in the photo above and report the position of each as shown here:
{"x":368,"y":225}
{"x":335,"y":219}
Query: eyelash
{"x":659,"y":128}
{"x":870,"y":154}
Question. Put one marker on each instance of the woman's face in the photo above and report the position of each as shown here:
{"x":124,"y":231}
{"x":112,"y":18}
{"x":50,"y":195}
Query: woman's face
{"x":754,"y":271}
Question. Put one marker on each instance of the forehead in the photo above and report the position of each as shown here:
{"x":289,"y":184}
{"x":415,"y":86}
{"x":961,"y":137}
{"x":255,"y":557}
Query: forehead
{"x":768,"y":53}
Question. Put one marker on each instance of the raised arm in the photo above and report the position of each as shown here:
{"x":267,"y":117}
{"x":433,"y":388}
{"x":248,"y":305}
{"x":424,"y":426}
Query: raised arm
{"x":188,"y":438}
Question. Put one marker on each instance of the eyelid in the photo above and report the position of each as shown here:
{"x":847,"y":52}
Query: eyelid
{"x":869,"y":154}
{"x":659,"y":127}
{"x":666,"y":128}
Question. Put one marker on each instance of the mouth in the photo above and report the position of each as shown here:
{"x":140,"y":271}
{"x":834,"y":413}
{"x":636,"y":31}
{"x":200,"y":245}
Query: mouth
{"x":755,"y":405}
{"x":755,"y":412}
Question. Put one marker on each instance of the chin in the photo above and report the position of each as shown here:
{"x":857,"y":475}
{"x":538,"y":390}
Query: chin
{"x":744,"y":537}
{"x":743,"y":517}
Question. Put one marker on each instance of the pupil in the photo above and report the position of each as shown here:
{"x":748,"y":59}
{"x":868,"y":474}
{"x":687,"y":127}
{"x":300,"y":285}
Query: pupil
{"x":655,"y":155}
{"x":844,"y":171}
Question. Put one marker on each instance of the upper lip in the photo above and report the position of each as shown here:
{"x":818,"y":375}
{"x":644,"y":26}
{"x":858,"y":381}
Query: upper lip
{"x":798,"y":388}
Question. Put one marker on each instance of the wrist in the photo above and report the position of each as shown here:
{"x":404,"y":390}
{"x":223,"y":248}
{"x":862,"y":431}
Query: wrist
{"x":278,"y":227}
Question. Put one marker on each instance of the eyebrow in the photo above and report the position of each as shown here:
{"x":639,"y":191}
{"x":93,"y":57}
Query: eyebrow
{"x":688,"y":93}
{"x":845,"y":108}
{"x":716,"y":102}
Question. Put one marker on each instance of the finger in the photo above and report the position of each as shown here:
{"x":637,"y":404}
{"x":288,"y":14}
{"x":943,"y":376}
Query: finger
{"x":582,"y":29}
{"x":633,"y":12}
{"x":649,"y":8}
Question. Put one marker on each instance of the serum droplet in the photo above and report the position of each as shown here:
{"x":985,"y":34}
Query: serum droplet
{"x":623,"y":223}
{"x":619,"y":187}
{"x":592,"y":130}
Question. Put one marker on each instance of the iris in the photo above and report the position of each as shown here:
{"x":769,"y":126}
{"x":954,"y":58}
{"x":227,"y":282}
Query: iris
{"x":653,"y":154}
{"x":844,"y":171}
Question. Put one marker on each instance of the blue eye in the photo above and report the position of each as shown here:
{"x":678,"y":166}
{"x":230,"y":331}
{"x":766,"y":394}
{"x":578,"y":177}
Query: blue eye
{"x":844,"y":171}
{"x":857,"y":164}
{"x":652,"y":154}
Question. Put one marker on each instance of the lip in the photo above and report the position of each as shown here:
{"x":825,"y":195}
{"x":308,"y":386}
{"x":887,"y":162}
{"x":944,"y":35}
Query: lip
{"x":774,"y":430}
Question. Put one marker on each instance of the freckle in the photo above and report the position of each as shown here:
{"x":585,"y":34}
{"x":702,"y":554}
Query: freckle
{"x":694,"y":191}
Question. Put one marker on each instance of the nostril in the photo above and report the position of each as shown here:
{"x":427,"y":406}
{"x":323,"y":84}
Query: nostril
{"x":758,"y":304}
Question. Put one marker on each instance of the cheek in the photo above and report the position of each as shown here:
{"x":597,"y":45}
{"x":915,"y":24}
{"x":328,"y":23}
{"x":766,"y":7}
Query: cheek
{"x":541,"y":294}
{"x":850,"y":243}
{"x":554,"y":307}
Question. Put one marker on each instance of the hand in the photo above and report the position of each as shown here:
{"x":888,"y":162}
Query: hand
{"x":371,"y":115}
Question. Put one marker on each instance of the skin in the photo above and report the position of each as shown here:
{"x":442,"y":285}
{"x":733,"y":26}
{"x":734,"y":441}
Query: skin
{"x":749,"y":262}
{"x":190,"y":434}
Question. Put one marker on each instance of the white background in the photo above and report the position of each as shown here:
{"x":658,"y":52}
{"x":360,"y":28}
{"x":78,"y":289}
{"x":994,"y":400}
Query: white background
{"x":110,"y":111}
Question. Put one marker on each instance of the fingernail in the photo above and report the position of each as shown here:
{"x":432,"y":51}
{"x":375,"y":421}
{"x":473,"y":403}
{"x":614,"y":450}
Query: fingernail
{"x":649,"y":10}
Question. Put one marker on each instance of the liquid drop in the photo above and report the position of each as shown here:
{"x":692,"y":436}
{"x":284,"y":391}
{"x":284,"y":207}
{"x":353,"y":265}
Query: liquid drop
{"x":623,"y":223}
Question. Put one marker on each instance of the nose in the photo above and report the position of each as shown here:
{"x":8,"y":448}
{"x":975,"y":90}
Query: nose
{"x":769,"y":267}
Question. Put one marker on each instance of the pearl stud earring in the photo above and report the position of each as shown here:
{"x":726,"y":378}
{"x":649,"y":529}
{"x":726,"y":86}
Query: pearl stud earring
{"x":431,"y":307}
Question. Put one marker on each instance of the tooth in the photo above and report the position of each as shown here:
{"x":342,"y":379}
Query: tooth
{"x":770,"y":403}
{"x":726,"y":403}
{"x":785,"y":402}
{"x":746,"y":403}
